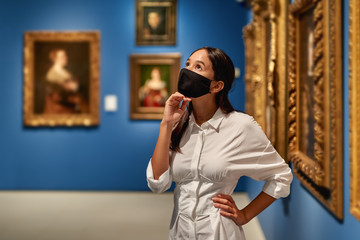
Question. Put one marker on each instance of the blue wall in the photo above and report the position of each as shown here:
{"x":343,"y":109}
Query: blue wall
{"x":114,"y":155}
{"x":300,"y":216}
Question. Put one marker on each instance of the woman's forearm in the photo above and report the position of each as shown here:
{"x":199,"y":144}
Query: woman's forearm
{"x":174,"y":109}
{"x":160,"y":158}
{"x":256,"y":206}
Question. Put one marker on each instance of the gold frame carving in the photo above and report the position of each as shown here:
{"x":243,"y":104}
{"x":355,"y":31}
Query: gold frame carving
{"x":322,"y":174}
{"x":266,"y":69}
{"x":88,"y":118}
{"x":354,"y":70}
{"x":249,"y":40}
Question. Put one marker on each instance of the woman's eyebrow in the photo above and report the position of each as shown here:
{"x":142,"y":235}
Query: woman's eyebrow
{"x":201,"y":62}
{"x":198,"y":61}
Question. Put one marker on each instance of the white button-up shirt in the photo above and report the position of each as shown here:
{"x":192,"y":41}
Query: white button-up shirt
{"x":213,"y":157}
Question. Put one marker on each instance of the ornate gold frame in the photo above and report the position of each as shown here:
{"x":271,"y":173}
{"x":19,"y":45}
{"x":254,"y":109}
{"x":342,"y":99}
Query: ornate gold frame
{"x":354,"y":70}
{"x":77,"y":119}
{"x":266,"y":69}
{"x":250,"y":67}
{"x":322,"y":175}
{"x":172,"y":60}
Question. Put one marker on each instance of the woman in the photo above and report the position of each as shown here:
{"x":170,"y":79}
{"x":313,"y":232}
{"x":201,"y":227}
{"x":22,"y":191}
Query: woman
{"x":205,"y":147}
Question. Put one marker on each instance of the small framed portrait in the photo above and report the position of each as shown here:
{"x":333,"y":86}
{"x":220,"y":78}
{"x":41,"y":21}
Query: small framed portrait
{"x":153,"y":78}
{"x":156,"y":22}
{"x":61,"y":78}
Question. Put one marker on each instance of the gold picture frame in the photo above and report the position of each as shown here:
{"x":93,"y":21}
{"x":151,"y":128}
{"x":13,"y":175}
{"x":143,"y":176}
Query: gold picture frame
{"x":354,"y":70}
{"x":250,"y":67}
{"x":266,"y":69}
{"x":315,"y":99}
{"x":61,"y":78}
{"x":153,"y":78}
{"x":156,"y":22}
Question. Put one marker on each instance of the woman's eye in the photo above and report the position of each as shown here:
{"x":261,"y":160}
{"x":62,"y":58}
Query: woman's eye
{"x":198,"y":67}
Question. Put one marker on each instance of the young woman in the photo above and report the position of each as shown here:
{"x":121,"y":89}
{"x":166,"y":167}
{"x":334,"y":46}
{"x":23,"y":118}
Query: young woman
{"x":205,"y":147}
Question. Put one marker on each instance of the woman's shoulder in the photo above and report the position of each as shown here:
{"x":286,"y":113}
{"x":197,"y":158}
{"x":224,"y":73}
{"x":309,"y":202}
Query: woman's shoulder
{"x":242,"y":120}
{"x":240,"y":116}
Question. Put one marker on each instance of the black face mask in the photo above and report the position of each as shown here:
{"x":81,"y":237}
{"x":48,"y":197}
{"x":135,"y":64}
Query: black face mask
{"x":192,"y":84}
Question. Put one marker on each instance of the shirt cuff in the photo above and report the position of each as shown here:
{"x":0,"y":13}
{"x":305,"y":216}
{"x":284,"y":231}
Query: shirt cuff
{"x":158,"y":185}
{"x":276,"y":189}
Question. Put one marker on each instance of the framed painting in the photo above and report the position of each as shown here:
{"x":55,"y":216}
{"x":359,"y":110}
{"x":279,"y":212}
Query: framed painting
{"x":354,"y":70}
{"x":266,"y":69}
{"x":61,"y":78}
{"x":156,"y":22}
{"x":315,"y":99}
{"x":153,"y":78}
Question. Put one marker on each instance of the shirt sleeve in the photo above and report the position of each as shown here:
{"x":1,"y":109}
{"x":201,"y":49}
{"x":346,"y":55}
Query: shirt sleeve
{"x":158,"y":185}
{"x":263,"y":163}
{"x":272,"y":169}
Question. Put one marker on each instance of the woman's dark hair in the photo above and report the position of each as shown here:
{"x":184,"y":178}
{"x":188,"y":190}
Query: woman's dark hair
{"x":224,"y":71}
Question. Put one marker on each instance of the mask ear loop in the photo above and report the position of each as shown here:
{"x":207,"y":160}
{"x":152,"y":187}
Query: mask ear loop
{"x":182,"y":102}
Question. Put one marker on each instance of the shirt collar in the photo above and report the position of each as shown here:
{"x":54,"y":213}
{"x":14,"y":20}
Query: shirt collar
{"x":214,"y":122}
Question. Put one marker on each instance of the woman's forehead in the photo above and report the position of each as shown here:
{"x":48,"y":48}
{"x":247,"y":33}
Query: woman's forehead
{"x":200,"y":55}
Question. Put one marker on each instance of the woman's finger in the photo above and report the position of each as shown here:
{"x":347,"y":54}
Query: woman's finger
{"x":225,"y":208}
{"x":180,"y":96}
{"x":228,"y":215}
{"x":221,"y":200}
{"x":225,"y":196}
{"x":177,"y":95}
{"x":175,"y":99}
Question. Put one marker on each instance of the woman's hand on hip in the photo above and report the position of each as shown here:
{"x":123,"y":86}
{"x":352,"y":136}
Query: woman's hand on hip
{"x":175,"y":107}
{"x":229,"y":209}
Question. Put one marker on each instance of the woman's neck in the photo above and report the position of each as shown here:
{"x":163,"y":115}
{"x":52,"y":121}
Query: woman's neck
{"x":204,"y":109}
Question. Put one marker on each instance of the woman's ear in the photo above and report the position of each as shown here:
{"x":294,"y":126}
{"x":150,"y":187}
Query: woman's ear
{"x":216,"y":86}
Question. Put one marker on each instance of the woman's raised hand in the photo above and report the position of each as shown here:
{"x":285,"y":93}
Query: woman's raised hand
{"x":174,"y":108}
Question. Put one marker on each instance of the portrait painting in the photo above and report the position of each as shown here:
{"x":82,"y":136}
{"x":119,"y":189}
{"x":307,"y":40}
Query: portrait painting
{"x":61,"y":78}
{"x":153,"y":78}
{"x":154,"y":87}
{"x":155,"y":22}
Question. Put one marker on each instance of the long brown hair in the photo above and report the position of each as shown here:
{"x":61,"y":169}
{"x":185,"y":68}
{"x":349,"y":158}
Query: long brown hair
{"x":224,"y":71}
